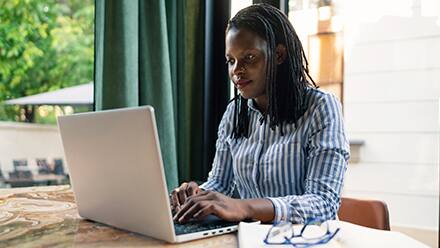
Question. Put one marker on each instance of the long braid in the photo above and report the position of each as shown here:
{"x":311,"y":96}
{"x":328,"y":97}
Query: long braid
{"x":241,"y":117}
{"x":287,"y":82}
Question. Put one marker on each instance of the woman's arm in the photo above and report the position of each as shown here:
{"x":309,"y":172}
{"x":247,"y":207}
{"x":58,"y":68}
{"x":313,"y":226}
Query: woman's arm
{"x":328,"y":153}
{"x":327,"y":156}
{"x":210,"y":202}
{"x":221,"y":176}
{"x":259,"y":209}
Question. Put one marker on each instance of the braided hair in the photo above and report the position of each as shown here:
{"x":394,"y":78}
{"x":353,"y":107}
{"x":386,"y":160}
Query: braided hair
{"x":286,"y":82}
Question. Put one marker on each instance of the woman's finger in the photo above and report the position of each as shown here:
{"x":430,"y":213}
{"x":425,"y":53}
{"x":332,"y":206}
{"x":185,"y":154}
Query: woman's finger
{"x":175,"y":200}
{"x":203,"y":195}
{"x":192,"y":210}
{"x":190,"y":202}
{"x":181,"y":193}
{"x":205,"y":211}
{"x":193,"y":188}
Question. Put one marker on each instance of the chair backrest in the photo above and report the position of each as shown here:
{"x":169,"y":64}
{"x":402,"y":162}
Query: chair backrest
{"x":369,"y":213}
{"x":19,"y":162}
{"x":43,"y":167}
{"x":59,"y":168}
{"x":20,"y":165}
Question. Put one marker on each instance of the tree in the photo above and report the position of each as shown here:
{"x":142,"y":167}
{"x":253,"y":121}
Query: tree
{"x":44,"y":46}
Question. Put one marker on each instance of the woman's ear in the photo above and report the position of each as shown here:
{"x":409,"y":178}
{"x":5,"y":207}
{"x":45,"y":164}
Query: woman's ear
{"x":281,"y":53}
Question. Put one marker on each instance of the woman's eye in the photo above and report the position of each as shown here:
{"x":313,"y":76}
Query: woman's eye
{"x":230,"y":61}
{"x":250,"y":57}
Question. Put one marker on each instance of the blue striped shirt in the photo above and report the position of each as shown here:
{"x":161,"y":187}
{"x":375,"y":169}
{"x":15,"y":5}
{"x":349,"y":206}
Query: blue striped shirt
{"x":301,"y":172}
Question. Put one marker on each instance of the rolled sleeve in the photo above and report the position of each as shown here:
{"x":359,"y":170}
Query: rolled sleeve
{"x":281,"y":208}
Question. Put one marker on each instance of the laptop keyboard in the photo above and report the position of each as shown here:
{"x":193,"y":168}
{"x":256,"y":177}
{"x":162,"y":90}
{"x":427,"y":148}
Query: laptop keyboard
{"x":199,"y":226}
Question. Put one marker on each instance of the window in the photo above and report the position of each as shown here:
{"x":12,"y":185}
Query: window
{"x":45,"y":46}
{"x":325,"y":56}
{"x":318,"y":25}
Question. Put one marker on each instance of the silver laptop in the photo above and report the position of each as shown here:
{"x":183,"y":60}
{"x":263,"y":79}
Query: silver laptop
{"x":118,"y":178}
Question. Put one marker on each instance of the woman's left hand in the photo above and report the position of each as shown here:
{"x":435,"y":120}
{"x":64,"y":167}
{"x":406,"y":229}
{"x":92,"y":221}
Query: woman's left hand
{"x":210,"y":202}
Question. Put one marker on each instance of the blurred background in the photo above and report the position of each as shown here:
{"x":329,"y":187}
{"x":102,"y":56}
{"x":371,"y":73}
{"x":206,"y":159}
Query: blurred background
{"x":379,"y":57}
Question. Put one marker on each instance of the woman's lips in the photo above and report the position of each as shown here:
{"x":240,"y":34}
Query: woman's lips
{"x":242,"y":83}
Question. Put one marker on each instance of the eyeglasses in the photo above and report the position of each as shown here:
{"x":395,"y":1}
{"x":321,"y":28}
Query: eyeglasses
{"x":312,"y":233}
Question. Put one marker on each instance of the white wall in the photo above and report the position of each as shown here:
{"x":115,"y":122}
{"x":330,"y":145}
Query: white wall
{"x":392,"y":92}
{"x":28,"y":141}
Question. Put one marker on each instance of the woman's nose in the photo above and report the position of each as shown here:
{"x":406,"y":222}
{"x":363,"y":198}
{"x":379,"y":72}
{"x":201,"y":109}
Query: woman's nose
{"x":238,"y":68}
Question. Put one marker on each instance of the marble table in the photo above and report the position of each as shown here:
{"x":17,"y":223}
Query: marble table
{"x":48,"y":217}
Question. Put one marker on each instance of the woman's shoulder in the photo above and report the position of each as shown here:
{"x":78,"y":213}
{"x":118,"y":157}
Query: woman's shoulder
{"x":228,"y":114}
{"x":315,"y":97}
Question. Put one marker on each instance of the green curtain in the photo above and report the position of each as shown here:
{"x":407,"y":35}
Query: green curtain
{"x":150,"y":52}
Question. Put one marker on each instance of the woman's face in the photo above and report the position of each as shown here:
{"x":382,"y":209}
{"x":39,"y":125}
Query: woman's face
{"x":246,"y":59}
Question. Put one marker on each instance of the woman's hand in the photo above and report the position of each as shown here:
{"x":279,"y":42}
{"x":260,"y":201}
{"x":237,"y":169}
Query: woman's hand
{"x":205,"y":203}
{"x":180,"y":194}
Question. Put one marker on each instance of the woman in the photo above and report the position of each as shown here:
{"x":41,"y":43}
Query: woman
{"x":281,"y":142}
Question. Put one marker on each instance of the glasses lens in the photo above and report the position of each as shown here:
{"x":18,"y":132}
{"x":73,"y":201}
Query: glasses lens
{"x":315,"y":232}
{"x":279,"y":233}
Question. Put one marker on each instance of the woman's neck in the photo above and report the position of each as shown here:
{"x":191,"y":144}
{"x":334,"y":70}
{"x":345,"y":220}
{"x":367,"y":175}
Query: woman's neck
{"x":262,"y":103}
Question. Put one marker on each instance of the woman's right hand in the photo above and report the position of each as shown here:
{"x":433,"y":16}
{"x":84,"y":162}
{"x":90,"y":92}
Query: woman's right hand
{"x":178,"y":195}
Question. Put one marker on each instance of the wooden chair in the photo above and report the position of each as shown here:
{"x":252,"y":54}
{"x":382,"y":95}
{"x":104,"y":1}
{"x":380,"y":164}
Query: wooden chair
{"x":59,"y":168}
{"x":368,"y":213}
{"x":20,"y":164}
{"x":43,"y":167}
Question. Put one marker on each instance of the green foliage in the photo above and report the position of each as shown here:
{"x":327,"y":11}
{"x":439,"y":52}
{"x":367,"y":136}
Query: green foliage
{"x":44,"y":45}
